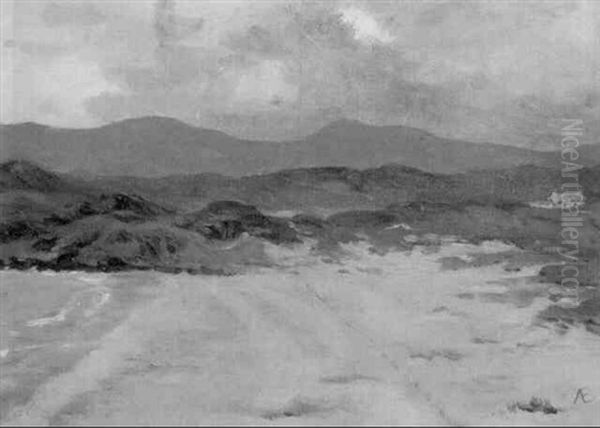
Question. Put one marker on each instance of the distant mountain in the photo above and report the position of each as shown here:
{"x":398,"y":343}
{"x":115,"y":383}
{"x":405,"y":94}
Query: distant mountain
{"x":157,"y":146}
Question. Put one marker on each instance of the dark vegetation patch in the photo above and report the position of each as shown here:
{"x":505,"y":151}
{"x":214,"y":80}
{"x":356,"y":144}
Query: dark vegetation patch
{"x":345,"y":379}
{"x":297,"y":408}
{"x":227,"y":220}
{"x":363,"y":219}
{"x":18,"y":174}
{"x":587,"y":313}
{"x":453,"y":263}
{"x":45,"y":244}
{"x":466,"y":296}
{"x":514,"y":261}
{"x":20,"y":229}
{"x":534,"y":405}
{"x":519,"y":294}
{"x":447,"y":354}
{"x":521,"y":298}
{"x":588,"y":272}
{"x":483,"y":341}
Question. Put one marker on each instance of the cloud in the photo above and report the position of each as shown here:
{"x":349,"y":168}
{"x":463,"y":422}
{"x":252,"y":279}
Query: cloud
{"x":265,"y":86}
{"x":366,"y":28}
{"x":256,"y":39}
{"x":485,"y":71}
{"x":72,"y":13}
{"x":170,"y":27}
{"x":55,"y":93}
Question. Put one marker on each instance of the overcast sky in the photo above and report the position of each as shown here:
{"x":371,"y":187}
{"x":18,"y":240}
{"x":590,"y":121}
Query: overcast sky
{"x":495,"y":71}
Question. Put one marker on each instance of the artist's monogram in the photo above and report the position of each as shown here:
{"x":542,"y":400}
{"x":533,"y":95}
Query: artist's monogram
{"x":582,"y":394}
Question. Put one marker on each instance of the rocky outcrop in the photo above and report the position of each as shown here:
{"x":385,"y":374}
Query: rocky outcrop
{"x":226,"y":220}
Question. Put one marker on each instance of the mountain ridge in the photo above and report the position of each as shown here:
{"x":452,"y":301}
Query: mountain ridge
{"x":154,"y":146}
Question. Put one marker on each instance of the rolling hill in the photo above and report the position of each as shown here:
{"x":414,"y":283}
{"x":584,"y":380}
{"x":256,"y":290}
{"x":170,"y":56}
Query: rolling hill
{"x":324,"y":190}
{"x":62,"y":222}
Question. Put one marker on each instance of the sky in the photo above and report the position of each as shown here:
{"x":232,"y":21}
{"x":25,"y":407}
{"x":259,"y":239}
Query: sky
{"x":487,"y":71}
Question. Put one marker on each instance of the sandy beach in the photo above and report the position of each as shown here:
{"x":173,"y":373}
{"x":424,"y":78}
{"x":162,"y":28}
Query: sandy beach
{"x":391,"y":339}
